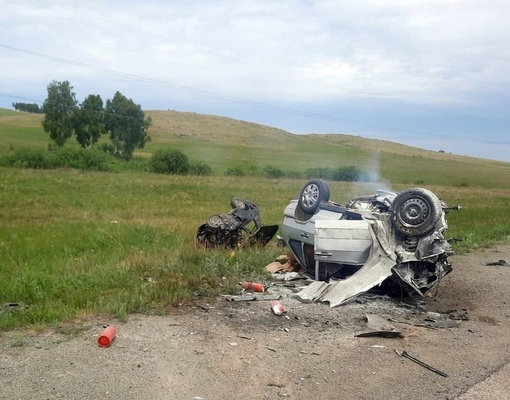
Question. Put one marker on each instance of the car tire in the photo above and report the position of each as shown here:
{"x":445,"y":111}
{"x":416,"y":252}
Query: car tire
{"x":313,"y":193}
{"x":236,"y":202}
{"x":416,"y":211}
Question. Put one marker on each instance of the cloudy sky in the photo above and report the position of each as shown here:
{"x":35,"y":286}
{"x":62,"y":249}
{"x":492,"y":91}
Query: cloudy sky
{"x":433,"y":74}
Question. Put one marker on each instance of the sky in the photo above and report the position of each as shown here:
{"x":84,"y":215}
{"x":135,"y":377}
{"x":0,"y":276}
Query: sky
{"x":433,"y":74}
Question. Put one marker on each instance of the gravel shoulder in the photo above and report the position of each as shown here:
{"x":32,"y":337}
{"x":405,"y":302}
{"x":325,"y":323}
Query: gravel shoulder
{"x":231,"y":350}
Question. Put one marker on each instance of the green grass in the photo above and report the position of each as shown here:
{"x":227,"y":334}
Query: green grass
{"x":75,"y":244}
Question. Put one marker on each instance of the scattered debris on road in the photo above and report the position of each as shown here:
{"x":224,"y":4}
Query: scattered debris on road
{"x":252,"y":297}
{"x":253,"y":286}
{"x":379,"y":326}
{"x":502,"y":263}
{"x":277,"y":308}
{"x":414,"y":359}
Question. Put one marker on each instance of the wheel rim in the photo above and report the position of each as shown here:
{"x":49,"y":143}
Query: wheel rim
{"x":214,"y":221}
{"x":414,"y":212}
{"x":238,"y":203}
{"x":310,"y":195}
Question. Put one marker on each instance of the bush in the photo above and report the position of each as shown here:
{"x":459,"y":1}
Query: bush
{"x":294,"y":174}
{"x":273,"y":172}
{"x":63,"y":158}
{"x":319,"y":173}
{"x":169,"y":161}
{"x":107,"y":148}
{"x":27,"y":158}
{"x":200,"y":168}
{"x":85,"y":159}
{"x":234,"y":172}
{"x":347,"y":174}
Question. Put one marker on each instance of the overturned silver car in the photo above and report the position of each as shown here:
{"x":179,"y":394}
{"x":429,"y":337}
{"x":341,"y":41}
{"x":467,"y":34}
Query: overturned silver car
{"x":389,"y":241}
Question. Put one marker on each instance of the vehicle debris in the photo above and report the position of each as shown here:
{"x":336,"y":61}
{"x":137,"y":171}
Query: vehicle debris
{"x":378,"y":326}
{"x":106,"y":337}
{"x":502,"y":263}
{"x":277,"y":308}
{"x":389,"y":241}
{"x":240,"y":227}
{"x":277,"y":266}
{"x":11,"y":307}
{"x":447,"y":323}
{"x":253,"y":297}
{"x":287,"y":276}
{"x":252,"y":286}
{"x":419,"y":362}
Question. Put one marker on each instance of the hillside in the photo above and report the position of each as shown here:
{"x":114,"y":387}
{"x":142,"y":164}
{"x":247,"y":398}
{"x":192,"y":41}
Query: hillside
{"x":252,"y":147}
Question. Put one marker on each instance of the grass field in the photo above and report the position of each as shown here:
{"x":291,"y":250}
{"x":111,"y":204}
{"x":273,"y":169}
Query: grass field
{"x":75,"y":244}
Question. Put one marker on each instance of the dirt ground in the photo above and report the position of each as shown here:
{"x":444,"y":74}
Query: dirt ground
{"x":234,"y":350}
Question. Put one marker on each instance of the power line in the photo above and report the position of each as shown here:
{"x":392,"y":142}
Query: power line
{"x":211,"y":94}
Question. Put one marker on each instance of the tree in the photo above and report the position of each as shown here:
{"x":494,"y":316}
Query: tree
{"x":126,"y":123}
{"x":59,"y":108}
{"x":88,"y":121}
{"x":27,"y":107}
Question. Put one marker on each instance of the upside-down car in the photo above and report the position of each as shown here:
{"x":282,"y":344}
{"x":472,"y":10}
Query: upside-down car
{"x":390,"y":241}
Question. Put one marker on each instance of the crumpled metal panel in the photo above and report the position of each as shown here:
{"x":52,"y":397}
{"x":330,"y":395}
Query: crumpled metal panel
{"x":377,"y":268}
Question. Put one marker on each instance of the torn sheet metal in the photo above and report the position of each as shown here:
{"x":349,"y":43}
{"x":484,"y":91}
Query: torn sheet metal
{"x":377,"y":268}
{"x":378,"y":326}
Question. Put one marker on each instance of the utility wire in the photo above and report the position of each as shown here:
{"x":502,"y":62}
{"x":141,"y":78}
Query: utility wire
{"x":211,"y":94}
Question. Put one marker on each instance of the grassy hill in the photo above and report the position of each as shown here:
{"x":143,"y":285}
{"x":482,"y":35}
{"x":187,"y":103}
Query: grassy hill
{"x":228,"y":143}
{"x":225,"y":142}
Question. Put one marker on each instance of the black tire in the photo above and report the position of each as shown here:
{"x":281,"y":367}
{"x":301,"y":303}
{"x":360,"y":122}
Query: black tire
{"x":313,"y":193}
{"x":416,"y":211}
{"x":215,"y":221}
{"x":236,"y":202}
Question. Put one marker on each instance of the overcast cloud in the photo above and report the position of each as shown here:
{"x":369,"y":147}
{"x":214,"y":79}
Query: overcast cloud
{"x":433,"y":74}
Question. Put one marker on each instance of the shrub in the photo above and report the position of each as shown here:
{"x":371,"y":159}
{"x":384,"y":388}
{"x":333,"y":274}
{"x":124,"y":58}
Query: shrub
{"x":234,"y":171}
{"x":294,"y":174}
{"x":27,"y":158}
{"x":273,"y":172}
{"x":107,"y":148}
{"x":62,"y":158}
{"x":347,"y":174}
{"x":168,"y":161}
{"x":319,"y":173}
{"x":200,"y":168}
{"x":85,"y":159}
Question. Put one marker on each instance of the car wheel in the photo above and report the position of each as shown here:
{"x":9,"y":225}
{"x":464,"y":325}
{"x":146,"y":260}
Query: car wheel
{"x":237,"y":203}
{"x":315,"y":191}
{"x":415,"y":212}
{"x":214,"y":221}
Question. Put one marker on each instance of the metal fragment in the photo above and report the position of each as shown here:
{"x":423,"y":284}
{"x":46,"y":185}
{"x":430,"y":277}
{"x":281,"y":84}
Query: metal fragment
{"x":419,"y":362}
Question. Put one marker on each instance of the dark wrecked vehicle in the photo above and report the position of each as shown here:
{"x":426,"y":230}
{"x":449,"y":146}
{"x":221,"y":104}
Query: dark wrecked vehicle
{"x":242,"y":226}
{"x":390,"y":241}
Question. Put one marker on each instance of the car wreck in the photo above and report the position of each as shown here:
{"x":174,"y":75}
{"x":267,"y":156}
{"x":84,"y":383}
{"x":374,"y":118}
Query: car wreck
{"x":242,"y":226}
{"x":393,"y":242}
